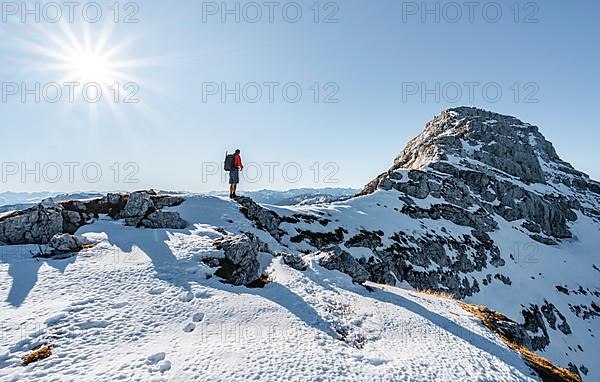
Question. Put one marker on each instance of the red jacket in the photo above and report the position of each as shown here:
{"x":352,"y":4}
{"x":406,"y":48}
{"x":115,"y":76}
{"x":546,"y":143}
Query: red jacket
{"x":237,"y":162}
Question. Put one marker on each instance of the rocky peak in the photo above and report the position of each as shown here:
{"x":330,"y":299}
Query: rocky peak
{"x":484,"y":140}
{"x":472,"y":158}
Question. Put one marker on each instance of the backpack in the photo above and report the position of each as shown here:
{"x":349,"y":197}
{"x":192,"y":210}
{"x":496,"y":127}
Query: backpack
{"x":229,"y":164}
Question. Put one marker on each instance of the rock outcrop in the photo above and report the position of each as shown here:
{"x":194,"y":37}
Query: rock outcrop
{"x":264,"y":218}
{"x":39,"y":224}
{"x":142,"y":210}
{"x":138,"y":206}
{"x":162,"y":219}
{"x":35,"y":225}
{"x":294,"y":260}
{"x":335,"y":258}
{"x":242,"y":255}
{"x":66,"y":243}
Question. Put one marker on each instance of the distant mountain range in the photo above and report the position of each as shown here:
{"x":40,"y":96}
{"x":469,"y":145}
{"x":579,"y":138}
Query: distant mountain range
{"x":10,"y":201}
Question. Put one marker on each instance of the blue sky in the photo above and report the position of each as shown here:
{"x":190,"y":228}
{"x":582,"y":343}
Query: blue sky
{"x":369,"y":61}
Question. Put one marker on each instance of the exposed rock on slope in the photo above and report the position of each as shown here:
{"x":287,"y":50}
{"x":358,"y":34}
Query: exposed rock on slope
{"x":243,"y":256}
{"x":67,"y":243}
{"x":264,"y":218}
{"x":336,"y":258}
{"x":38,"y":224}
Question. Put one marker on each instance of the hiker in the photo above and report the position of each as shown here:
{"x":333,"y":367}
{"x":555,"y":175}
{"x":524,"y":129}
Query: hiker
{"x":233,"y":164}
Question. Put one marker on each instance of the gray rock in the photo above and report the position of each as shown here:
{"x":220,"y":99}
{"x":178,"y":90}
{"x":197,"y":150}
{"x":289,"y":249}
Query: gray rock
{"x":264,"y":219}
{"x":294,"y":261}
{"x":35,"y":225}
{"x":73,"y":220}
{"x":162,"y":201}
{"x":113,"y":199}
{"x":335,"y":258}
{"x":139,"y":205}
{"x":366,"y":239}
{"x":243,"y":252}
{"x":160,"y":219}
{"x":67,"y":243}
{"x":319,"y":240}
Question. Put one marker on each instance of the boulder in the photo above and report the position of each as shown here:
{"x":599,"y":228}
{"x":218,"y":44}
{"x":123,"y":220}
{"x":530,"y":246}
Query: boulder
{"x":67,"y":243}
{"x":138,"y":206}
{"x":39,"y":224}
{"x":243,"y":253}
{"x":112,"y":198}
{"x":161,"y":219}
{"x":35,"y":225}
{"x":294,"y":261}
{"x":162,"y":201}
{"x":73,"y":220}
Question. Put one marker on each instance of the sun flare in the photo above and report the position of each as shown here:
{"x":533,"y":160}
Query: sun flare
{"x":84,"y":56}
{"x":90,"y":67}
{"x":94,"y":66}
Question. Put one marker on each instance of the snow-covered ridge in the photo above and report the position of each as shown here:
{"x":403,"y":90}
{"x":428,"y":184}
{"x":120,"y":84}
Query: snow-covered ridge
{"x":145,"y":305}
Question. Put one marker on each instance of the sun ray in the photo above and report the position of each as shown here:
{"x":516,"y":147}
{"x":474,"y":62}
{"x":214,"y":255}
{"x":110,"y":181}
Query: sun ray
{"x":66,"y":53}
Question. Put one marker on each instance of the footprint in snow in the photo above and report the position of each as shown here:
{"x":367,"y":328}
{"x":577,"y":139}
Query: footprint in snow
{"x":198,"y":317}
{"x":189,"y":296}
{"x":188,"y":328}
{"x":155,"y":358}
{"x":165,"y":366}
{"x":52,"y":321}
{"x":203,"y":294}
{"x":155,"y":291}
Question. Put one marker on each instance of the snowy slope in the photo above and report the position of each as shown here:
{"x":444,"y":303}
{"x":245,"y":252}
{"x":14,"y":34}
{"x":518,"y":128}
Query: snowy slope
{"x":534,"y":269}
{"x":141,"y":306}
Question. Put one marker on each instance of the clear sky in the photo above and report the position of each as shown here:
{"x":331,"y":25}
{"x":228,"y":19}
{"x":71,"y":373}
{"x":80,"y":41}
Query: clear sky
{"x":377,"y":63}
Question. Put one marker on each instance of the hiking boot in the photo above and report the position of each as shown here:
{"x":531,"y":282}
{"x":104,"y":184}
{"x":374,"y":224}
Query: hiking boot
{"x":231,"y":196}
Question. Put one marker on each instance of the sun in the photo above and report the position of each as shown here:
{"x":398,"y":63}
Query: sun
{"x":84,"y":56}
{"x":90,"y":67}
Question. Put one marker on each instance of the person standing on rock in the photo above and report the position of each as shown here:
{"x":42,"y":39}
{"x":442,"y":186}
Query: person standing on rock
{"x":233,"y":164}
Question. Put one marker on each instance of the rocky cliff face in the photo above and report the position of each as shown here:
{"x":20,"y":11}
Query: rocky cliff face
{"x":479,"y":205}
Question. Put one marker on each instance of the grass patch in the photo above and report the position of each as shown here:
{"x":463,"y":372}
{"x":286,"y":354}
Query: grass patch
{"x":447,"y":296}
{"x":545,"y":369}
{"x":10,"y":215}
{"x":37,"y":355}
